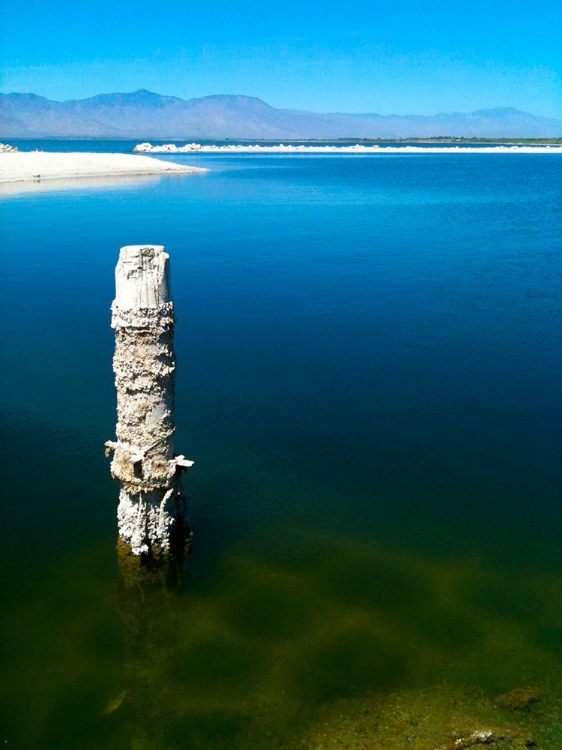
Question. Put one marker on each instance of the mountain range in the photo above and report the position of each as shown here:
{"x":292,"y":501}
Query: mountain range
{"x":143,"y":114}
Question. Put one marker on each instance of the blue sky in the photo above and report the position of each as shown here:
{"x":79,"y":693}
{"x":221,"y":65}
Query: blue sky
{"x":391,"y":57}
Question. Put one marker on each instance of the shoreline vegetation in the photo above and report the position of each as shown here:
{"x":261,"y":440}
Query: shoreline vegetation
{"x":475,"y":140}
{"x":36,"y":166}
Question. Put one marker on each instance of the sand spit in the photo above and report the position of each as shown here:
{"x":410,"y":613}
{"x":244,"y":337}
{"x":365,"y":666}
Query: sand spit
{"x":170,"y":148}
{"x":40,"y":165}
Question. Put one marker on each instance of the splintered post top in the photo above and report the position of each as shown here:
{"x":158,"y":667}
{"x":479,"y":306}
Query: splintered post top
{"x":142,"y":277}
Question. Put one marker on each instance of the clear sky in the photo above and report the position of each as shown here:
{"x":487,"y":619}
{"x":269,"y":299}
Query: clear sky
{"x":385,"y":57}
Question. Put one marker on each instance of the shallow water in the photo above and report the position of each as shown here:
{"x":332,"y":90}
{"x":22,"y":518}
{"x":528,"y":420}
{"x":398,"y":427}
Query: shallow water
{"x":368,"y":380}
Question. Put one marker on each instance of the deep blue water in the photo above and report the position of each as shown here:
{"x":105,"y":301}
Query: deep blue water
{"x":369,"y":362}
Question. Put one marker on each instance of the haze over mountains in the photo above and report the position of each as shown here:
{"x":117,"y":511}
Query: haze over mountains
{"x":143,"y":114}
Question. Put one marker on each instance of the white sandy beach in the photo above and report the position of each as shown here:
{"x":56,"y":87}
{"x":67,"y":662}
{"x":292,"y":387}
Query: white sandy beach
{"x":170,"y":148}
{"x":40,"y":165}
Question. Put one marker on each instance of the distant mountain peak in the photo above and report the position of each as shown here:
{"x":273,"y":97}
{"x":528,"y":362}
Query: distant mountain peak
{"x":29,"y":97}
{"x":233,"y":100}
{"x":140,"y":97}
{"x":236,"y":97}
{"x":495,"y":111}
{"x":146,"y":95}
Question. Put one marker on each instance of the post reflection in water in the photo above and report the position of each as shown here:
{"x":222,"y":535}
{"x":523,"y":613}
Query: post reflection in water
{"x":150,"y":601}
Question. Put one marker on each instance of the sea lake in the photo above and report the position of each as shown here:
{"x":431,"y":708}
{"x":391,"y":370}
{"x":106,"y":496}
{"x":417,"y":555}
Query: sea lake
{"x":369,"y":361}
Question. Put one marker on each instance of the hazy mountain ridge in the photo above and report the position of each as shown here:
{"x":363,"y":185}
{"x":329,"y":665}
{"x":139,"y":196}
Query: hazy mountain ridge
{"x":144,"y":114}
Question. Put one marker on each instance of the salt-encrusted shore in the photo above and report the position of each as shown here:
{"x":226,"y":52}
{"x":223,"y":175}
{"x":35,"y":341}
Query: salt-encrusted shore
{"x":171,"y":148}
{"x":40,"y":165}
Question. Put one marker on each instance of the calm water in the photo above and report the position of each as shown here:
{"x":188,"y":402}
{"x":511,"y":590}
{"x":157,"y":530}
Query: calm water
{"x":369,"y":382}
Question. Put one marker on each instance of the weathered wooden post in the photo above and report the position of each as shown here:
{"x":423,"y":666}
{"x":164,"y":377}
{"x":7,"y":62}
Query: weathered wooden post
{"x":152,"y":513}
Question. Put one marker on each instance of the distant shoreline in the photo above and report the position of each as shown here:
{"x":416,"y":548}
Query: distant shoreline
{"x":357,"y":148}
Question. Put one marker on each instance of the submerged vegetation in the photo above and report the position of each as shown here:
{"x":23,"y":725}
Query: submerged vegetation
{"x":338,"y":644}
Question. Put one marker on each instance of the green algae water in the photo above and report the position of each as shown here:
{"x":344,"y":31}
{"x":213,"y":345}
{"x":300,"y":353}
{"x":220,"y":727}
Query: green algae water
{"x":369,"y":382}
